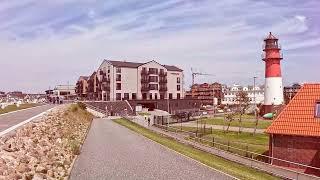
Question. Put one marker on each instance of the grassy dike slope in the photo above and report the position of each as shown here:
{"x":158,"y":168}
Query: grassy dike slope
{"x":234,"y":169}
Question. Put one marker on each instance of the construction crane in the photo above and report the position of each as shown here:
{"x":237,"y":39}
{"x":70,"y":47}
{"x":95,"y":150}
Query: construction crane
{"x":194,"y":74}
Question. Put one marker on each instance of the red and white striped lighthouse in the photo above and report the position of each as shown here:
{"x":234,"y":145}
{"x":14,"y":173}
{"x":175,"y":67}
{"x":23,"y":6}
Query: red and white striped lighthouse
{"x":273,"y":95}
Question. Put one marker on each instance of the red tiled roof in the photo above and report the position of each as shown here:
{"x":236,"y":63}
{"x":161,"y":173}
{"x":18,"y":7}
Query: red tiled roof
{"x":298,"y":117}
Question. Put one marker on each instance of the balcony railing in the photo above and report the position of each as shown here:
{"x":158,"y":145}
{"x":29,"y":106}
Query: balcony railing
{"x":153,"y":72}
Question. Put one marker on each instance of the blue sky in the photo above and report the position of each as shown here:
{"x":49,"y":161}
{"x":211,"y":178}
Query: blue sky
{"x":44,"y":43}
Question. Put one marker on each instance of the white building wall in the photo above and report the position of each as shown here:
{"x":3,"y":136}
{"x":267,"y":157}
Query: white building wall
{"x":172,"y":84}
{"x":129,"y":80}
{"x":256,"y":96}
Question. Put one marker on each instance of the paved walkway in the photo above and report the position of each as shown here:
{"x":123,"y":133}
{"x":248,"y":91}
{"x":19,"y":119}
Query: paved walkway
{"x":220,"y":127}
{"x":11,"y":119}
{"x":115,"y":152}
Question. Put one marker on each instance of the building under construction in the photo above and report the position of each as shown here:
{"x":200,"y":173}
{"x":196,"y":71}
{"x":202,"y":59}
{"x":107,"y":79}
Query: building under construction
{"x":207,"y":93}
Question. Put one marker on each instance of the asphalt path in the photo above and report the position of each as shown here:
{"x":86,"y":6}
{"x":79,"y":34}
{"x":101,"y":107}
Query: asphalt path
{"x":13,"y":118}
{"x":112,"y":151}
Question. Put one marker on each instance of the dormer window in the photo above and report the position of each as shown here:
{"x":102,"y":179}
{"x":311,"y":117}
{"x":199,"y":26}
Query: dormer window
{"x":317,"y":109}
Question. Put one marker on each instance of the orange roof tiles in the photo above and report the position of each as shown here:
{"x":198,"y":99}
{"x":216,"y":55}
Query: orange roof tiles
{"x":298,"y":117}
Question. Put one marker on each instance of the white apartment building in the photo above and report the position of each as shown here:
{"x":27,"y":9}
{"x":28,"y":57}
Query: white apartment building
{"x":255,"y":95}
{"x":121,"y":80}
{"x":65,"y":90}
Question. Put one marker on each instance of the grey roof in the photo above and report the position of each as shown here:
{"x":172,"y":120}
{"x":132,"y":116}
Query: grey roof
{"x":136,"y":65}
{"x":125,"y":64}
{"x":172,"y":68}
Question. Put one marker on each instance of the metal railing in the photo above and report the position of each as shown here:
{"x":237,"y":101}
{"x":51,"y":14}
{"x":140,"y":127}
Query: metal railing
{"x":228,"y":148}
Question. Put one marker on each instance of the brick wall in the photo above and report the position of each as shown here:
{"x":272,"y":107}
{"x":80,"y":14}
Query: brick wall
{"x":299,"y":149}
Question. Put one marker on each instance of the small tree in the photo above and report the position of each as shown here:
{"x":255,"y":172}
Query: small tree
{"x":243,"y":103}
{"x":229,"y":118}
{"x":257,"y":112}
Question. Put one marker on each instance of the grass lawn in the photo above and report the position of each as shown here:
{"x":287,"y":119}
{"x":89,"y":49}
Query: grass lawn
{"x":257,"y":143}
{"x":246,"y":141}
{"x":11,"y":108}
{"x":144,"y":114}
{"x":232,"y":168}
{"x":247,"y":123}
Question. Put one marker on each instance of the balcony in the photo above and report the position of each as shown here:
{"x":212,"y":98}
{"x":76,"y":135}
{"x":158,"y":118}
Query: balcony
{"x":163,"y":89}
{"x":105,"y":80}
{"x":105,"y":88}
{"x":143,"y":88}
{"x":163,"y":81}
{"x":153,"y":72}
{"x":144,"y":72}
{"x":144,"y":80}
{"x":162,"y":74}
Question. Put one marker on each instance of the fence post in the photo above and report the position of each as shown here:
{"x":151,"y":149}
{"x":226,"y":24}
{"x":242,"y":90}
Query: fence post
{"x":247,"y":149}
{"x":228,"y":145}
{"x":213,"y":141}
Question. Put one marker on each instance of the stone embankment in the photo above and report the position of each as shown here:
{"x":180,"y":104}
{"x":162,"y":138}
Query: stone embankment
{"x":46,"y":147}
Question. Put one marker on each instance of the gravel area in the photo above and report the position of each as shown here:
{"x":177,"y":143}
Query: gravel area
{"x":45,"y":147}
{"x":115,"y":152}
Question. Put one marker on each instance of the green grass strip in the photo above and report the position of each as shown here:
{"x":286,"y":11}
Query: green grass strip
{"x":12,"y":108}
{"x":232,"y":168}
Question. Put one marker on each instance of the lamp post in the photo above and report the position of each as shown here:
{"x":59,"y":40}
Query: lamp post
{"x":254,"y":95}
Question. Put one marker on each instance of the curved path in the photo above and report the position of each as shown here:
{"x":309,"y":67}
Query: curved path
{"x":13,"y":118}
{"x":115,"y":152}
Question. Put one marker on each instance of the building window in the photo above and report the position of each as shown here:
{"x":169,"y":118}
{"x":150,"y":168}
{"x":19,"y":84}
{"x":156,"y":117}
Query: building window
{"x":118,"y":96}
{"x":170,"y":95}
{"x":118,"y":77}
{"x":150,"y":96}
{"x":178,"y":79}
{"x":134,"y":96}
{"x":178,"y":96}
{"x":144,"y":96}
{"x":118,"y":86}
{"x":118,"y":70}
{"x":156,"y":96}
{"x":126,"y":96}
{"x":161,"y":96}
{"x":317,"y":114}
{"x":178,"y":87}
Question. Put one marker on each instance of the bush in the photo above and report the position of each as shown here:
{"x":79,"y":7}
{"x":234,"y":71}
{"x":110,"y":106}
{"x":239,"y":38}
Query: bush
{"x":82,"y":105}
{"x":74,"y":108}
{"x":75,"y":147}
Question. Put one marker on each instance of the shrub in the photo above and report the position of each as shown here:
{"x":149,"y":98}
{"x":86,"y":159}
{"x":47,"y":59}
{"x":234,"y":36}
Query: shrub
{"x":75,"y":147}
{"x":74,"y":108}
{"x":82,"y":105}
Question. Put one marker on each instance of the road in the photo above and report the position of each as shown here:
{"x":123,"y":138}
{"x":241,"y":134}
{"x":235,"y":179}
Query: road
{"x":11,"y":119}
{"x":115,"y":152}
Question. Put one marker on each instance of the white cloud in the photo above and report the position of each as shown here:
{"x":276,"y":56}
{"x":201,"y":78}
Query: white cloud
{"x":218,"y":38}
